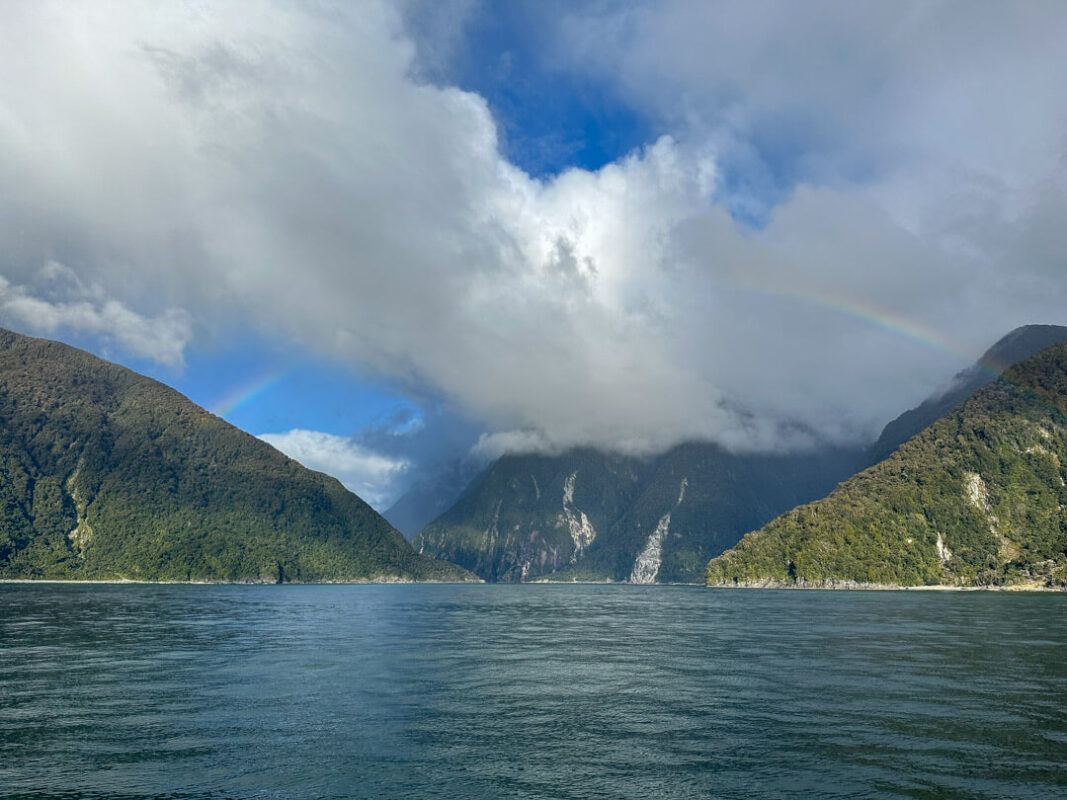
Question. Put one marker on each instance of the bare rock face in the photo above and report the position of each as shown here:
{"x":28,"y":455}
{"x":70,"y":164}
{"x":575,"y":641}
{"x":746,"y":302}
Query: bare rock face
{"x":650,"y":559}
{"x":593,"y":516}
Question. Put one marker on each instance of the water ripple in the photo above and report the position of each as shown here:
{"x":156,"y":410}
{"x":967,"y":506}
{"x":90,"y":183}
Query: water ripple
{"x":264,"y":693}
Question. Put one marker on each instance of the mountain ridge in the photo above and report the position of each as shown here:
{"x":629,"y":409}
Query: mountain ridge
{"x":107,"y":474}
{"x":1015,"y":346}
{"x":979,"y":498}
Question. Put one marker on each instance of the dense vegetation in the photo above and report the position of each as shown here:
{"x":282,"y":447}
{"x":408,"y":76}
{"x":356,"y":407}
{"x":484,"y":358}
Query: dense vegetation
{"x":978,"y":498}
{"x":106,"y":474}
{"x":513,"y":524}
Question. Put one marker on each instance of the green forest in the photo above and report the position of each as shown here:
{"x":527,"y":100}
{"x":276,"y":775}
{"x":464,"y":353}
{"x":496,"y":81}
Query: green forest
{"x":977,"y":499}
{"x":106,"y":474}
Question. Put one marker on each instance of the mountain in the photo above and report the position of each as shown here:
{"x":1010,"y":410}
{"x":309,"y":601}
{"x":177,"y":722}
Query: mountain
{"x":430,"y":497}
{"x":528,"y":516}
{"x":107,"y":474}
{"x":1018,"y":345}
{"x":590,"y":515}
{"x":976,"y":499}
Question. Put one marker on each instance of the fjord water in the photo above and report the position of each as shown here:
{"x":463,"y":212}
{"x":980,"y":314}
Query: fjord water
{"x":534,"y":691}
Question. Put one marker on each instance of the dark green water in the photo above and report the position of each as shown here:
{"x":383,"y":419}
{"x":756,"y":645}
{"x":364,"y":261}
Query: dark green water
{"x":528,"y":692}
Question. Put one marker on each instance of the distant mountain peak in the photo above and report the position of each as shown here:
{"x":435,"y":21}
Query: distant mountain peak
{"x":1018,"y":345}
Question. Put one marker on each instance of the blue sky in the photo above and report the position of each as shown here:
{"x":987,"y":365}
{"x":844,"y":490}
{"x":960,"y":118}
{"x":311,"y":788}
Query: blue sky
{"x":550,"y":117}
{"x":261,"y":387}
{"x":451,"y":230}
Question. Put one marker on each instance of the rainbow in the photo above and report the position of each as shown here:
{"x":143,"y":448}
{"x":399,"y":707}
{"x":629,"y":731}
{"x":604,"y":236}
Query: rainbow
{"x":915,"y":331}
{"x":249,"y":391}
{"x":869,"y":313}
{"x":889,"y":321}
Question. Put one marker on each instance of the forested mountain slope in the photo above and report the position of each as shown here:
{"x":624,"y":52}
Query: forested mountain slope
{"x":107,"y":474}
{"x":976,"y":499}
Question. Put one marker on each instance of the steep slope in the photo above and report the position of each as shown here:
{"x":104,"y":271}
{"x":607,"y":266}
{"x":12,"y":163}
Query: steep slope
{"x":108,"y":474}
{"x":700,"y":499}
{"x":1018,"y":345}
{"x":978,"y":498}
{"x":529,"y":516}
{"x":586,"y":515}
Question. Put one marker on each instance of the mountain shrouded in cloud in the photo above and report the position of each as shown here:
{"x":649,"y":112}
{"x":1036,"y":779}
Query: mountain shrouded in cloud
{"x":975,"y":499}
{"x":587,"y":515}
{"x":839,"y":209}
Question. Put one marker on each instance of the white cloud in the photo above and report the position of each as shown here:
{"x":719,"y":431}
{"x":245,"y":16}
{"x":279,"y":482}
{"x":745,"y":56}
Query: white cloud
{"x":490,"y":446}
{"x":279,"y":165}
{"x":370,"y":475}
{"x":70,"y":305}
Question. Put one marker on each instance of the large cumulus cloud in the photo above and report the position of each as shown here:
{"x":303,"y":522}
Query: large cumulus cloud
{"x":284,"y":165}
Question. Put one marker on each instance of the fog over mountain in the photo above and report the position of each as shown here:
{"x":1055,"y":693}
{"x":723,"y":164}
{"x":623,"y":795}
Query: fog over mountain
{"x":836,"y":209}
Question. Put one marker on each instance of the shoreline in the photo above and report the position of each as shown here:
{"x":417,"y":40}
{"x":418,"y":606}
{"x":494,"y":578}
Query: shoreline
{"x":830,"y":587}
{"x":850,"y":586}
{"x":132,"y":582}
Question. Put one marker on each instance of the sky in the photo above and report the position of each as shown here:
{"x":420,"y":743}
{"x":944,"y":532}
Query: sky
{"x":386,"y":236}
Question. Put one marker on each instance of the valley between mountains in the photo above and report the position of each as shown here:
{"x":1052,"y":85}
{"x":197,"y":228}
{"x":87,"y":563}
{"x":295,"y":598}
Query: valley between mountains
{"x":591,"y":516}
{"x":108,"y":475}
